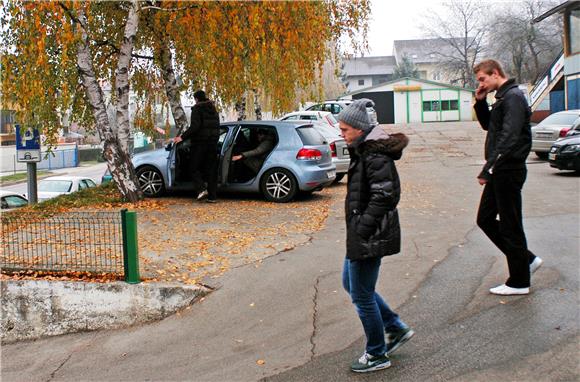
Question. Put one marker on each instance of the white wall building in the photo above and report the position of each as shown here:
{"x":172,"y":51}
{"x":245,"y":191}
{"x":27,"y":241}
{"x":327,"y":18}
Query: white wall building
{"x":410,"y":100}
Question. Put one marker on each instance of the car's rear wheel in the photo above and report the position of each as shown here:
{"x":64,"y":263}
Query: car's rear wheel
{"x":278,"y":185}
{"x":150,"y":181}
{"x":542,"y":155}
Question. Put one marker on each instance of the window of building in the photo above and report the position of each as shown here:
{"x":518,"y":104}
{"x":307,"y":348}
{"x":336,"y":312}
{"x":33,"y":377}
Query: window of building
{"x":361,"y":82}
{"x":574,"y":31}
{"x":443,"y":105}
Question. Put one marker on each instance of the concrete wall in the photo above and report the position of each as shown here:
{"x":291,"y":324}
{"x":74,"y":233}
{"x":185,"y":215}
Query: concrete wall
{"x":35,"y":309}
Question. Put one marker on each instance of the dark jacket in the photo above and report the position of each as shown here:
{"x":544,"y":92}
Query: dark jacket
{"x":205,"y":124}
{"x":509,"y":137}
{"x":373,"y":192}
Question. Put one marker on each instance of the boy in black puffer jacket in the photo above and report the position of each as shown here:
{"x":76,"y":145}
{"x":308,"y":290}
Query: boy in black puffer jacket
{"x":373,"y":230}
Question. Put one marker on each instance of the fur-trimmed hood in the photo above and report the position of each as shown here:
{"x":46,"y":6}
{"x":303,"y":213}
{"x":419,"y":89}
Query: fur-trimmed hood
{"x":380,"y":142}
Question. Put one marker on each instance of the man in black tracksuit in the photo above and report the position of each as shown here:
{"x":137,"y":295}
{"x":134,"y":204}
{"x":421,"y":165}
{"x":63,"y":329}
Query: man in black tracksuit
{"x":203,"y":134}
{"x":507,"y":146}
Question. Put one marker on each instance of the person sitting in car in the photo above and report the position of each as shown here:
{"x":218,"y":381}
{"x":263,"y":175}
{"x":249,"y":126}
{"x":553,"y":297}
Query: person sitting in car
{"x":253,"y":159}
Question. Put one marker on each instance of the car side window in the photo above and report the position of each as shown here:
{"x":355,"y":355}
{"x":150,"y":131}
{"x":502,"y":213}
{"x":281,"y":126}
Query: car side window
{"x":336,"y":108}
{"x":308,"y":117}
{"x":90,"y":183}
{"x":316,"y":107}
{"x":13,"y":201}
{"x":4,"y":204}
{"x":291,"y":118}
{"x":82,"y":184}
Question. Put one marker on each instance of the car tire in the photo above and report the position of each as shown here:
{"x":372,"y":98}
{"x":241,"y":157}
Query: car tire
{"x":278,"y":185}
{"x":542,"y":155}
{"x":339,"y":177}
{"x":150,"y":181}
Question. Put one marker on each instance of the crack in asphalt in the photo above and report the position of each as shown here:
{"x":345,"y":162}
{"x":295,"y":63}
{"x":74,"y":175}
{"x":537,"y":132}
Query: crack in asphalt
{"x":314,"y":319}
{"x":59,"y":367}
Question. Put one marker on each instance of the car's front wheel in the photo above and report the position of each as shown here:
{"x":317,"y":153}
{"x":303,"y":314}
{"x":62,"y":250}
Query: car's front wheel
{"x":278,"y":185}
{"x":150,"y":181}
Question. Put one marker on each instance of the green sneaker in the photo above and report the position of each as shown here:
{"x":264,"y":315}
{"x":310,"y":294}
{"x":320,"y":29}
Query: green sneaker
{"x":397,"y":338}
{"x":368,"y":363}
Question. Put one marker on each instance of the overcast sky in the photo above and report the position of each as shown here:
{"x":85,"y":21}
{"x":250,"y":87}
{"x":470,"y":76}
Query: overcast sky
{"x":401,"y":20}
{"x":395,"y":20}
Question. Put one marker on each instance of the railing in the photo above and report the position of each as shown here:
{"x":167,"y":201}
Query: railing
{"x":91,"y":242}
{"x":49,"y":161}
{"x":546,"y":78}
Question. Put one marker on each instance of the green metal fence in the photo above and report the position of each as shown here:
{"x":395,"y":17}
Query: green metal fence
{"x":92,"y":242}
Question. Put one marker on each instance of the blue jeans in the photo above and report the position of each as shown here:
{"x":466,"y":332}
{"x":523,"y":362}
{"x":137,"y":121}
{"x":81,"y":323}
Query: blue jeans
{"x":359,"y":279}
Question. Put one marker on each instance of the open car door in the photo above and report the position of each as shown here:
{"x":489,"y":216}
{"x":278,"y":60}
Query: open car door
{"x":225,"y":147}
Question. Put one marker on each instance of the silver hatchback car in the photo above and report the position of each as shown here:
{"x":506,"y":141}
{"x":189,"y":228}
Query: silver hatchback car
{"x":301,"y":160}
{"x":553,"y":127}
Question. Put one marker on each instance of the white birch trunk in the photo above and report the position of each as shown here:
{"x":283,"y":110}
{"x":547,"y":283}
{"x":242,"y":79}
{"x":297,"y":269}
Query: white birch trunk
{"x":118,"y":161}
{"x":122,"y":76}
{"x":172,"y":89}
{"x":241,"y":108}
{"x":257,"y":105}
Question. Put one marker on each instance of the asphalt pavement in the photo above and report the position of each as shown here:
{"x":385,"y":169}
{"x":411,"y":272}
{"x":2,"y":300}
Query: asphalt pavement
{"x":287,"y":318}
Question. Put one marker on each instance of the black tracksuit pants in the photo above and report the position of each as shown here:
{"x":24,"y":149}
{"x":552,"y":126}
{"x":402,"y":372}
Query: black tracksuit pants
{"x":204,"y":167}
{"x":503,"y":196}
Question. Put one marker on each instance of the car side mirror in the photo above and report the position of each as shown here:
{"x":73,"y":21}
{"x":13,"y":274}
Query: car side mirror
{"x":169,"y":146}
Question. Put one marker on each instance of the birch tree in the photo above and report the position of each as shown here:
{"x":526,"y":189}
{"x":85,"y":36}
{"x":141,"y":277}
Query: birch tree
{"x":59,"y":55}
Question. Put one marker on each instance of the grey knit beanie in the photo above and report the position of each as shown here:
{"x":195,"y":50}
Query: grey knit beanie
{"x":356,"y":115}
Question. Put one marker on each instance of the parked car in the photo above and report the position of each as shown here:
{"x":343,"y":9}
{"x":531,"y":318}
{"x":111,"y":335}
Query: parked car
{"x":10,"y":200}
{"x":319,"y":116}
{"x":555,"y":126}
{"x":338,"y":147}
{"x":300,"y":161}
{"x":59,"y":185}
{"x":336,"y":107}
{"x":575,"y":130}
{"x":565,"y":153}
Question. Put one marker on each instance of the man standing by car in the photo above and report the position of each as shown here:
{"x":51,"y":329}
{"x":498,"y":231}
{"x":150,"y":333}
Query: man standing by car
{"x":507,"y":146}
{"x":373,"y":231}
{"x":203,"y":134}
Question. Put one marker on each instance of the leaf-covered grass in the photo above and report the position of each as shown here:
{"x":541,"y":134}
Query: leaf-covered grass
{"x":103,"y":196}
{"x":20,"y":176}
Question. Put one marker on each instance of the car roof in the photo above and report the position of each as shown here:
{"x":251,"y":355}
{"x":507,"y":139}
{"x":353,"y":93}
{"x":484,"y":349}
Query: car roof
{"x":308,"y":112}
{"x":574,"y":111}
{"x":66,"y":177}
{"x":9,"y":193}
{"x":270,"y":123}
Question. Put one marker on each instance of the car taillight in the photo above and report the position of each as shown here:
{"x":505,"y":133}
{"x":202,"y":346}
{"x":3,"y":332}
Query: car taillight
{"x":309,"y":154}
{"x":564,"y":131}
{"x":333,"y":149}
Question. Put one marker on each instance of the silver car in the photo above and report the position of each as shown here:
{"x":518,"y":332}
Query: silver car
{"x":550,"y":129}
{"x":300,"y":161}
{"x":335,"y":107}
{"x":338,"y":147}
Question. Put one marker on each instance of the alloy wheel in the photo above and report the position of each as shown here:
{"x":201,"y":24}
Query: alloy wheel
{"x":150,"y":182}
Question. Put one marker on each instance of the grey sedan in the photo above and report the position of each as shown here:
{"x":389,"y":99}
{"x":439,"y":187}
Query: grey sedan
{"x":301,"y":161}
{"x":555,"y":126}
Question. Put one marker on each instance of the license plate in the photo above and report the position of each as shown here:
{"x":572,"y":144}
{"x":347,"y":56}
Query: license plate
{"x":345,"y":151}
{"x":552,"y":157}
{"x":331,"y":174}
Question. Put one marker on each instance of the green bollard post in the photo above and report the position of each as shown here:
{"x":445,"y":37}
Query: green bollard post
{"x":130,"y":247}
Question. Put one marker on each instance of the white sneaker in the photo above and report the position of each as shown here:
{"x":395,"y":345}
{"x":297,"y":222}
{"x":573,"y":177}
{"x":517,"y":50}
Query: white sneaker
{"x":504,"y":290}
{"x":202,"y":195}
{"x":536,"y":264}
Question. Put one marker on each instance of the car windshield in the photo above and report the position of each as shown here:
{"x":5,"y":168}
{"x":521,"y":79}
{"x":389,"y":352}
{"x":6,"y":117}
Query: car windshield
{"x":560,"y":119}
{"x":310,"y":137}
{"x":55,"y":185}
